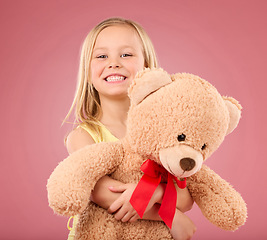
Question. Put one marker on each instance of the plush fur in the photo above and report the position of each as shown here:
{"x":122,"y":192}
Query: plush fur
{"x":163,"y":107}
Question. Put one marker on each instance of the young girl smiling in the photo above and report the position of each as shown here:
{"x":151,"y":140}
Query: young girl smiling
{"x":113,"y":52}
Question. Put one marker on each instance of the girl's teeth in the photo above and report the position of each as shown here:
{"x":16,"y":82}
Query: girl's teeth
{"x":115,"y":78}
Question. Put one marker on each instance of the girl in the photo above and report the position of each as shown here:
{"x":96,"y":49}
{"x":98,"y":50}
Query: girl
{"x":112,"y":53}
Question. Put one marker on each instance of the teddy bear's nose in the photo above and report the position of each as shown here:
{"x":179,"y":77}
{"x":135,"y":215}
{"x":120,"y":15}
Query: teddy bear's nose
{"x":187,"y":164}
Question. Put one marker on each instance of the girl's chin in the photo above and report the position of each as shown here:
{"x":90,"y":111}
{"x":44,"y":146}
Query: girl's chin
{"x":114,"y":94}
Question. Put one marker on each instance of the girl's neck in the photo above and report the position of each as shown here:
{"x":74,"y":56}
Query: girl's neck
{"x":114,"y":111}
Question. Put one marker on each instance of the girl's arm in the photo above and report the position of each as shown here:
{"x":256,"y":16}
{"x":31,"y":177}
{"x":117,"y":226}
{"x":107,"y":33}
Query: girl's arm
{"x":124,"y":211}
{"x":182,"y":227}
{"x":184,"y":200}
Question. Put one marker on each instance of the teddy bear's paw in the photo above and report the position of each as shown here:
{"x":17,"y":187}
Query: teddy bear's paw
{"x":67,"y":208}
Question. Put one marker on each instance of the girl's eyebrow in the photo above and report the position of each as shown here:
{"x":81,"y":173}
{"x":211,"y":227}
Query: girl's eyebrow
{"x":126,"y":46}
{"x":100,"y":48}
{"x":104,"y":48}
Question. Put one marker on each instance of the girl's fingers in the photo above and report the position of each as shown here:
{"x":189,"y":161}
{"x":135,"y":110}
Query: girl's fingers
{"x":134,"y":218}
{"x":121,"y":214}
{"x":126,"y":217}
{"x":118,"y":189}
{"x":115,"y":206}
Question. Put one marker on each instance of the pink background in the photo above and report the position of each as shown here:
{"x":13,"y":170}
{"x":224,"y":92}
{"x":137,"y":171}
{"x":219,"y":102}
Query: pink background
{"x":222,"y":41}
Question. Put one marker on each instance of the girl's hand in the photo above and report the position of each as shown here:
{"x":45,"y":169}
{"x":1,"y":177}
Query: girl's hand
{"x":124,"y":210}
{"x":182,"y":227}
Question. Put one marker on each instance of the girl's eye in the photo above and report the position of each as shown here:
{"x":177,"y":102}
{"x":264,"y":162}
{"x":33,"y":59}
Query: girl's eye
{"x":126,"y":55}
{"x":102,"y":56}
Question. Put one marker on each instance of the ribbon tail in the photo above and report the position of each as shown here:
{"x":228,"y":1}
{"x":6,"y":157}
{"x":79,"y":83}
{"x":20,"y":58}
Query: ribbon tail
{"x":180,"y":183}
{"x":143,"y":193}
{"x":168,"y":205}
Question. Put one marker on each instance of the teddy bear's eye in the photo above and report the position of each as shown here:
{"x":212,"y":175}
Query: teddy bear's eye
{"x":181,"y":137}
{"x":203,"y":147}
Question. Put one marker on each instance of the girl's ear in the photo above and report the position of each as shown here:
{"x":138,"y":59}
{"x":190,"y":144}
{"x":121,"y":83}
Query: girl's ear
{"x":147,"y":82}
{"x":234,"y":109}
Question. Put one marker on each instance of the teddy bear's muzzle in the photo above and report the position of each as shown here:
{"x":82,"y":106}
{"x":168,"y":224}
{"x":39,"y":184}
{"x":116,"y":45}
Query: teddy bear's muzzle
{"x":181,"y":160}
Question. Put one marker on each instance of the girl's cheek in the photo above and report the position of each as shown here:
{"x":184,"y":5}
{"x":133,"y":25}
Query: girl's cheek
{"x":95,"y":66}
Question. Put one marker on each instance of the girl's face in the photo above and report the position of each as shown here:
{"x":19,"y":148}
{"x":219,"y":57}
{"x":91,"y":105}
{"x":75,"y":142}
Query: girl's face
{"x":117,"y":57}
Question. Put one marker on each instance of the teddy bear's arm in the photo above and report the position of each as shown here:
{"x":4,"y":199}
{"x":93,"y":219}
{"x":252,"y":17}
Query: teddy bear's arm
{"x":69,"y":186}
{"x":219,"y":202}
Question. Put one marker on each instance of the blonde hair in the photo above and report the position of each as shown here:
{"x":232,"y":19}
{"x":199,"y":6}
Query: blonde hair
{"x":86,"y":101}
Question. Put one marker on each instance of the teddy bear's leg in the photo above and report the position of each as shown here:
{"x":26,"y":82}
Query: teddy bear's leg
{"x":96,"y":223}
{"x":219,"y":202}
{"x":145,"y":230}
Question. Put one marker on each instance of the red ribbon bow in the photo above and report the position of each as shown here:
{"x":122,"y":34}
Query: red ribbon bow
{"x":147,"y":186}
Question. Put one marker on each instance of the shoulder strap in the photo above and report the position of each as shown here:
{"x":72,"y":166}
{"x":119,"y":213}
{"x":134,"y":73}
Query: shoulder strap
{"x":97,"y":138}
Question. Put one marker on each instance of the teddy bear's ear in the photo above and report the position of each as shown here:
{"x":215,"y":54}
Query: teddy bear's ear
{"x":146,"y":82}
{"x":234,"y":109}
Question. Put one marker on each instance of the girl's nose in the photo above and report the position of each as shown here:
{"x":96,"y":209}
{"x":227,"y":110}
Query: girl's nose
{"x":114,"y":65}
{"x":114,"y":62}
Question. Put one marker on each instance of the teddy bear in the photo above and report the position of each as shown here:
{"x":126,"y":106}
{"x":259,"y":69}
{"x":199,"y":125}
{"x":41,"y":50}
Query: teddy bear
{"x":175,"y":121}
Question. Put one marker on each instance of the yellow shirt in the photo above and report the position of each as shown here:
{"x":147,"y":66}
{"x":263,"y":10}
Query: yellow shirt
{"x":105,"y":136}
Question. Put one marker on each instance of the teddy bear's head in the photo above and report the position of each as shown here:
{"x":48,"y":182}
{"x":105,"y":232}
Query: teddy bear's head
{"x":178,"y":120}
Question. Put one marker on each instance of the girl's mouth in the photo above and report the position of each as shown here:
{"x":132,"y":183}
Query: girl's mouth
{"x":115,"y":78}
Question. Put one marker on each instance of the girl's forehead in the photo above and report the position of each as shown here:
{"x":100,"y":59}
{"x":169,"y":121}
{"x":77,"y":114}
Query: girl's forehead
{"x":118,"y":35}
